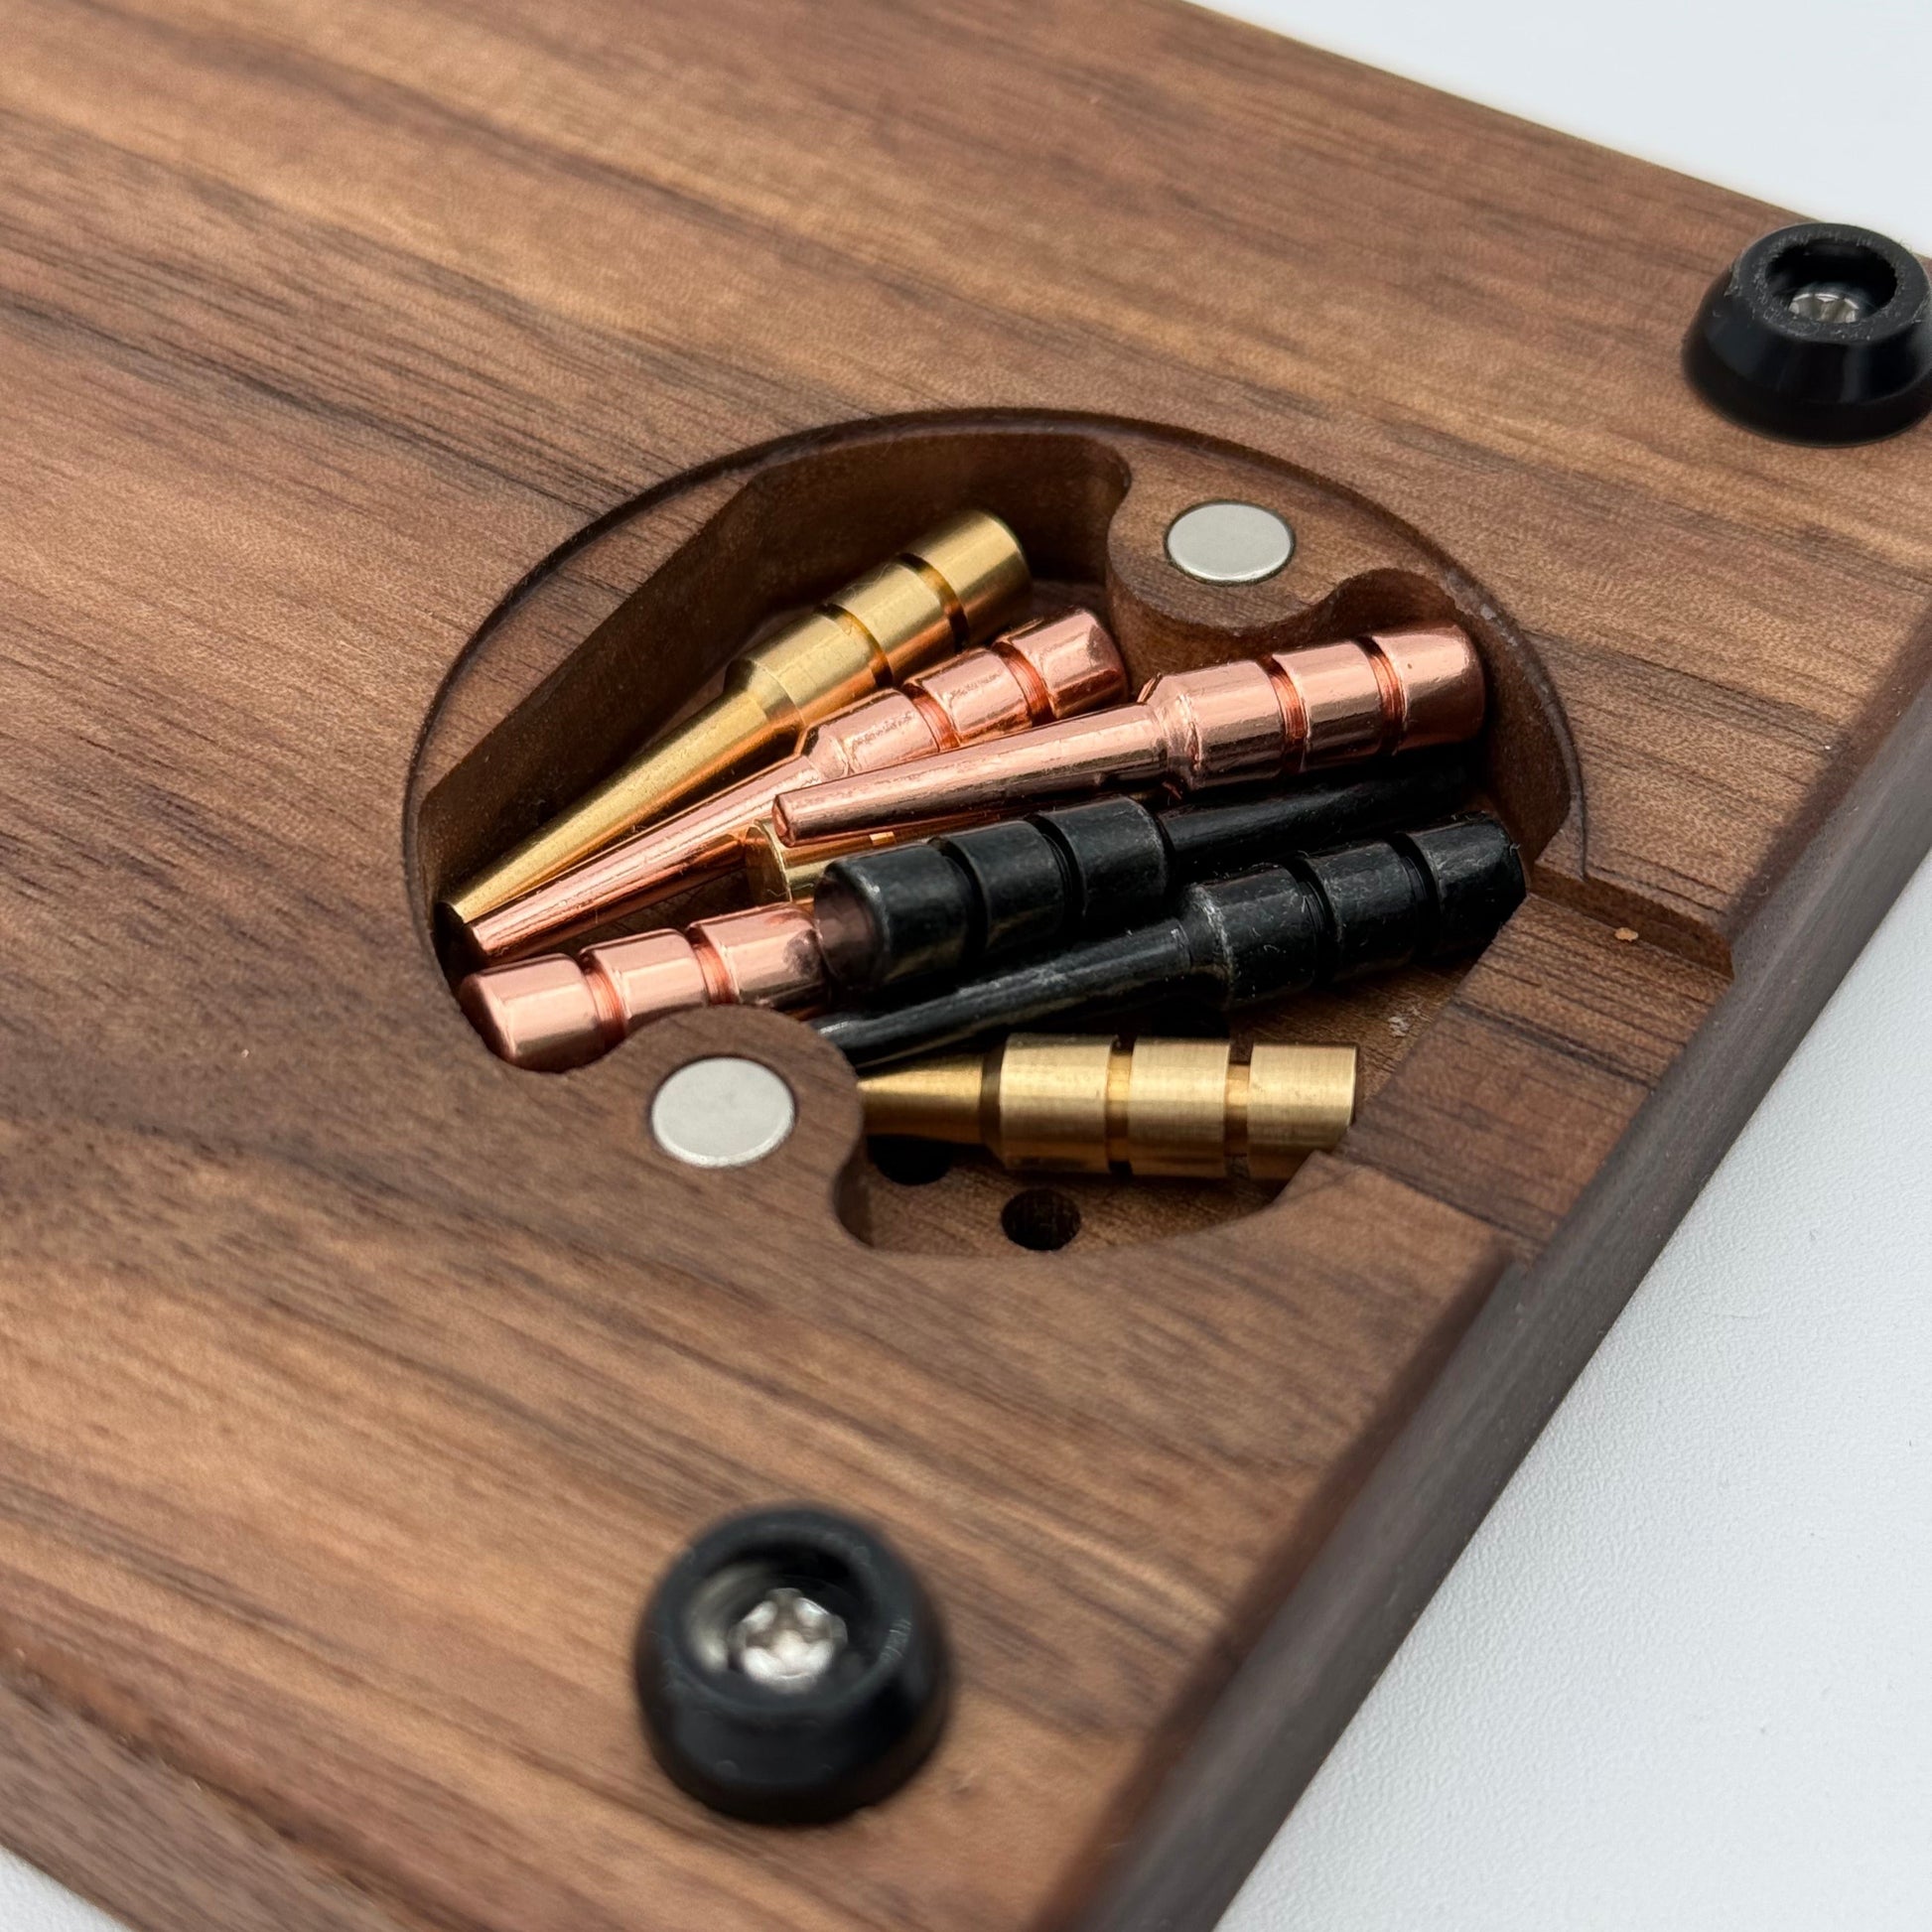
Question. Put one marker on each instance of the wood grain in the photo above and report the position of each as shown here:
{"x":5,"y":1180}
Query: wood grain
{"x":356,"y":1388}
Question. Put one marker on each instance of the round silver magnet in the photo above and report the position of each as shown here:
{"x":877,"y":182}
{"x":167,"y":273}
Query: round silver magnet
{"x":722,"y":1112}
{"x":1229,"y":543}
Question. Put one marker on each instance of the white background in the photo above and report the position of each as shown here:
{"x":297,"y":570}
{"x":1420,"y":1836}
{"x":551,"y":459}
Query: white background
{"x":1682,"y":1676}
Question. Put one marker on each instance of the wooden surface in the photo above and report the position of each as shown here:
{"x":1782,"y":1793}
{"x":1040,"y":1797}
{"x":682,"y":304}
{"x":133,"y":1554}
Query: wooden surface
{"x":355,"y":1387}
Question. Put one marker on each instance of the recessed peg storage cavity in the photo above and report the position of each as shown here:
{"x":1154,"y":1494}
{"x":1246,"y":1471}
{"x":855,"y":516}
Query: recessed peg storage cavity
{"x":1099,"y":559}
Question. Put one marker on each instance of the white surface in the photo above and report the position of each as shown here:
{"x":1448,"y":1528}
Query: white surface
{"x":1817,"y":106}
{"x":1680,"y":1679}
{"x":32,"y":1903}
{"x":1681,"y":1676}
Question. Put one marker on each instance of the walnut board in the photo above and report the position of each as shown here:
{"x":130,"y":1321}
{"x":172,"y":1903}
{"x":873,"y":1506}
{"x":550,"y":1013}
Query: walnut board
{"x":355,"y":1388}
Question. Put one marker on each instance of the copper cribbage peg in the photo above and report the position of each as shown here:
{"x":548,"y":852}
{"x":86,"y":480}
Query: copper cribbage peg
{"x":1183,"y":1107}
{"x":950,"y":588}
{"x":1257,"y":718}
{"x":553,"y":1013}
{"x":1035,"y":675}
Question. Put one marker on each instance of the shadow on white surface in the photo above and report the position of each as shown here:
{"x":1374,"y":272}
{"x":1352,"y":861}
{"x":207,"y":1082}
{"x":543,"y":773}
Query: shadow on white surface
{"x":1679,"y":1678}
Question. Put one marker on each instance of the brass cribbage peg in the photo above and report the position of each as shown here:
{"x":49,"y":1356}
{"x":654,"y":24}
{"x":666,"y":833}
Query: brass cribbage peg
{"x":1085,"y":1105}
{"x":952,"y":587}
{"x":1052,"y":669}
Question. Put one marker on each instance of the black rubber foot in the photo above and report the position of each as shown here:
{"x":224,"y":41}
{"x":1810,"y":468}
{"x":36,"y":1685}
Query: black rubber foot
{"x":1817,"y":333}
{"x":807,"y":1732}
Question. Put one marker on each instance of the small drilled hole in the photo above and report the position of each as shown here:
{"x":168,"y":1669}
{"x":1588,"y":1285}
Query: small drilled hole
{"x":1824,"y":281}
{"x":910,"y":1162}
{"x":1043,"y":1219}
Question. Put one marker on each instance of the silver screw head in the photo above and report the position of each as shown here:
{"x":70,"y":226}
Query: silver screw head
{"x":1825,"y":303}
{"x":787,"y":1641}
{"x":1229,"y":543}
{"x":722,"y":1112}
